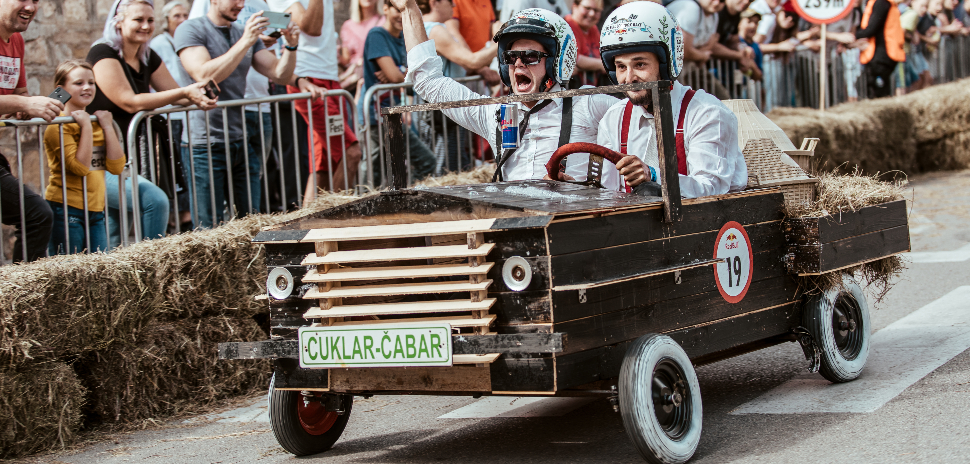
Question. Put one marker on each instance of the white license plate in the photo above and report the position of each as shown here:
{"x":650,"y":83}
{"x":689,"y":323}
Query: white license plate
{"x":376,"y":345}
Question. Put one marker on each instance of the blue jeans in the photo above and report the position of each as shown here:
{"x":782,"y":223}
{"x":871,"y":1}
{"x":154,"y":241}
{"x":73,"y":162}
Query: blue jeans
{"x":76,"y":239}
{"x":151,"y":200}
{"x":255,"y":144}
{"x":205,"y":189}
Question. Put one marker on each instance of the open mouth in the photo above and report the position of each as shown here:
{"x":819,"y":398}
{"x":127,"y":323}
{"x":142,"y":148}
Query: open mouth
{"x":24,"y":16}
{"x":523,"y":82}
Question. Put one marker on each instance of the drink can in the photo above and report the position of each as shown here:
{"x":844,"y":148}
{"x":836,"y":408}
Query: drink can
{"x":509,"y":124}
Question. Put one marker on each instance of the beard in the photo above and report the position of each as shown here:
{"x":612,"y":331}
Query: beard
{"x":645,"y":100}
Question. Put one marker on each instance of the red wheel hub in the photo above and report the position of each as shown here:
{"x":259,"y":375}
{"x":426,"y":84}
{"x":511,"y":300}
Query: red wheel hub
{"x":314,"y":417}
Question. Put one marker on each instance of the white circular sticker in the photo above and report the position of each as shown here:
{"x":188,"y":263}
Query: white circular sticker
{"x":733,"y":273}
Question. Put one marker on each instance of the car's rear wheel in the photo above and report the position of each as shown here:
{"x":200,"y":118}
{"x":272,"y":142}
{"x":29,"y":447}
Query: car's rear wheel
{"x":301,"y":422}
{"x":838,"y":320}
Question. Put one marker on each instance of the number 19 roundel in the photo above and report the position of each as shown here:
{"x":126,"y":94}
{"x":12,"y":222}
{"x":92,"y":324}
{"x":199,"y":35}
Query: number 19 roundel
{"x":733,"y":273}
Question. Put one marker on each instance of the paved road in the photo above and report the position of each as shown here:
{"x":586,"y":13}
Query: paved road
{"x":760,"y":407}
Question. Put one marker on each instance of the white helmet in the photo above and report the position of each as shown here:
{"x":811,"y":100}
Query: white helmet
{"x":550,"y":30}
{"x":643,"y":27}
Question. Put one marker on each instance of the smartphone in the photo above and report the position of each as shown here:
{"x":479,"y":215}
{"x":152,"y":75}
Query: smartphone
{"x":60,"y":95}
{"x":212,"y":90}
{"x":277,"y":20}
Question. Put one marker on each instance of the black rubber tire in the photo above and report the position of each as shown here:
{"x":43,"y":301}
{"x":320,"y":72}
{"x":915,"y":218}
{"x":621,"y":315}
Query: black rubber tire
{"x":668,"y":436}
{"x":290,"y":432}
{"x":844,"y":352}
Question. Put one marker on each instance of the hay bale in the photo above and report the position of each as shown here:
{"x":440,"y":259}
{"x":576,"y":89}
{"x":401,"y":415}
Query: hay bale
{"x":922,"y":131}
{"x":172,"y":369}
{"x":836,"y":192}
{"x":875,"y":135}
{"x":40,"y":408}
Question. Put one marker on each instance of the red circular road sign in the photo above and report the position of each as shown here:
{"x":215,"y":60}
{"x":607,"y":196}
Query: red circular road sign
{"x":733,"y":273}
{"x":823,"y":11}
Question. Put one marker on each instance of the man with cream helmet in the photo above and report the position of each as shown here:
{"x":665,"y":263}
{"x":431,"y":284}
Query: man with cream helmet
{"x":642,"y":42}
{"x":537,"y":53}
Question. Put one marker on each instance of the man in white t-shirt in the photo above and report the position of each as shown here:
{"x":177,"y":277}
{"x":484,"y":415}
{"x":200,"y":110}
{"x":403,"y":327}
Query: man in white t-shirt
{"x":698,"y":20}
{"x":317,"y":62}
{"x":766,"y":27}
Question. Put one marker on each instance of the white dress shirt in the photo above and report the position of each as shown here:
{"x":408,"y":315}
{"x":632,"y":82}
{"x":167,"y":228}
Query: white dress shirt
{"x":715,"y":165}
{"x":539,"y":140}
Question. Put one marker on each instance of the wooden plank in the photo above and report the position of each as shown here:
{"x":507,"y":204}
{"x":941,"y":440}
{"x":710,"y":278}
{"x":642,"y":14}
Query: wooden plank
{"x":428,"y":379}
{"x":523,"y":222}
{"x":397,"y":289}
{"x":289,"y":375}
{"x":395,"y":157}
{"x":525,"y":97}
{"x":279,"y":236}
{"x":394,"y":254}
{"x":673,"y":314}
{"x":700,"y":342}
{"x":610,"y":230}
{"x":814,"y":231}
{"x":397,"y":309}
{"x":287,"y":254}
{"x":668,"y":270}
{"x":508,"y":343}
{"x":669,"y":179}
{"x":601,"y":300}
{"x":455,"y":321}
{"x":827,"y":257}
{"x":474,"y":358}
{"x":606,"y":264}
{"x":529,"y":307}
{"x":395,"y":272}
{"x":523,"y":374}
{"x":399,"y":230}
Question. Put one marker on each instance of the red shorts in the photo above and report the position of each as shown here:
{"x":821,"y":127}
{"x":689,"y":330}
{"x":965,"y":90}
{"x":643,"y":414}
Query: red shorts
{"x":321,"y":146}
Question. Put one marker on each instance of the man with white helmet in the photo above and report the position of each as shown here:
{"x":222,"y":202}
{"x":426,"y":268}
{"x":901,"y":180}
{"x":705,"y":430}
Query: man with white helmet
{"x":537,"y":53}
{"x":642,"y":42}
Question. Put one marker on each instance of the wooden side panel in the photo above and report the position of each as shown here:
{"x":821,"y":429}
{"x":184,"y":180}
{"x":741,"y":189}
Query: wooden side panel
{"x":672,"y":314}
{"x":569,"y":306}
{"x":605,"y":264}
{"x":523,"y":374}
{"x":289,"y":375}
{"x":643,"y":225}
{"x":815,"y":231}
{"x":718,"y":340}
{"x":826,"y":257}
{"x":427,"y":379}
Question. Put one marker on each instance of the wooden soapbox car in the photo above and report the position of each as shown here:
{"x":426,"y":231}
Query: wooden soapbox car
{"x":547,"y":288}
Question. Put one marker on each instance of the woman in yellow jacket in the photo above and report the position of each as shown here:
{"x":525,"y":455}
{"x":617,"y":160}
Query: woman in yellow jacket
{"x":88,"y":152}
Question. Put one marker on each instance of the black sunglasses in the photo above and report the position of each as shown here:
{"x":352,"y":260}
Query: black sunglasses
{"x":528,"y":57}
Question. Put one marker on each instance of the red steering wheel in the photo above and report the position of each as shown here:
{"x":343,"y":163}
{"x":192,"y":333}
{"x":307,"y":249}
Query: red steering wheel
{"x":552,"y":167}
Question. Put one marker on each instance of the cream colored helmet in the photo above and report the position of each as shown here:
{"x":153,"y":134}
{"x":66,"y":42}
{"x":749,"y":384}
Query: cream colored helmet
{"x":643,"y":27}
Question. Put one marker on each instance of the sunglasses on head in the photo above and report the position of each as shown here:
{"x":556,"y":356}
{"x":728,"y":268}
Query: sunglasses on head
{"x":528,"y":57}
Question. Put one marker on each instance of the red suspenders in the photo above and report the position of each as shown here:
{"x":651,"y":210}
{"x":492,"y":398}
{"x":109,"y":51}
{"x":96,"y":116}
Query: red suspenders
{"x":681,"y":152}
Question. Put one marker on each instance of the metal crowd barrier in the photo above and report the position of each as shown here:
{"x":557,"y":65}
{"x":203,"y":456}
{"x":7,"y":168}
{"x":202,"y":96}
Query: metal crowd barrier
{"x":43,"y":177}
{"x":950,"y":61}
{"x":723,"y":77}
{"x":335,"y":123}
{"x":433,"y":128}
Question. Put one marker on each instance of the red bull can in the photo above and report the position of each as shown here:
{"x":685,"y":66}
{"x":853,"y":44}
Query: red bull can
{"x":509,"y":124}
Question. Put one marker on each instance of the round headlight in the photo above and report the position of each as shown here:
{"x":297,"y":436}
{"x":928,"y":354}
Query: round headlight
{"x":517,"y":273}
{"x":279,"y":283}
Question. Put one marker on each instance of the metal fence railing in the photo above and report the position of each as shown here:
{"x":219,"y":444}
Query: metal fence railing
{"x":451,"y":147}
{"x":38,"y":187}
{"x":211,"y":190}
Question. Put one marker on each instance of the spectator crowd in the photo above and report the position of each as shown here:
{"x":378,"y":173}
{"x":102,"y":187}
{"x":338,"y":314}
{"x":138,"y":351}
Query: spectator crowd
{"x":218,"y":51}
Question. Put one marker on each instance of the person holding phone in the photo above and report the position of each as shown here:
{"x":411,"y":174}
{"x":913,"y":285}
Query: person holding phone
{"x":126,"y":69}
{"x":89,"y":150}
{"x":214,"y":47}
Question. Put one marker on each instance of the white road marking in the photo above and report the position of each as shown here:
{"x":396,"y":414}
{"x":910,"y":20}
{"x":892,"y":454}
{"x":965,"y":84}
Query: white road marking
{"x":516,"y":406}
{"x":901,"y":354}
{"x":955,"y":256}
{"x":257,"y":412}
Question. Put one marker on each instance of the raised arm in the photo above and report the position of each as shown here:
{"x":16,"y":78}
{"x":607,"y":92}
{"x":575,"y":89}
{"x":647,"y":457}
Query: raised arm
{"x":280,"y":71}
{"x":450,"y":48}
{"x":414,"y":33}
{"x":203,"y":68}
{"x":310,"y":19}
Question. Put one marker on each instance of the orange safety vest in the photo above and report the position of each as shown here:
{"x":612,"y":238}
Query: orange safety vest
{"x":892,"y":31}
